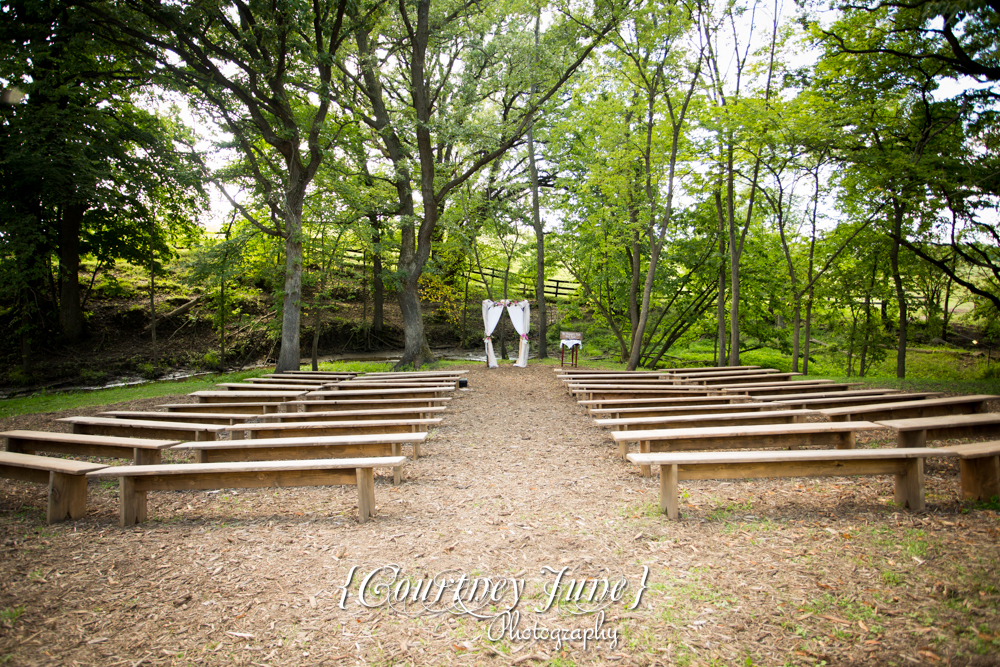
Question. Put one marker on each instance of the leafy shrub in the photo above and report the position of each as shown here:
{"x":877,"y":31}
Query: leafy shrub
{"x":211,"y":361}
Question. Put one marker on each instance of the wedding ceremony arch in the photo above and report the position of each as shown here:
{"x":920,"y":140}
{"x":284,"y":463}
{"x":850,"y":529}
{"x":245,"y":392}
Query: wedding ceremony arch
{"x":520,"y":317}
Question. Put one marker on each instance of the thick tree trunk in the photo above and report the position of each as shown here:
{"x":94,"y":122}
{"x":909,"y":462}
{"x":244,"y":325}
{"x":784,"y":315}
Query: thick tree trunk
{"x":70,"y":313}
{"x":808,"y":333}
{"x":378,"y":289}
{"x":796,"y":326}
{"x":416,"y":351}
{"x":898,"y":209}
{"x":536,"y":222}
{"x":291,"y":314}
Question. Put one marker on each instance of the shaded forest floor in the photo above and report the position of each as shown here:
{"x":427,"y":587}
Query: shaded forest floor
{"x":516,"y":483}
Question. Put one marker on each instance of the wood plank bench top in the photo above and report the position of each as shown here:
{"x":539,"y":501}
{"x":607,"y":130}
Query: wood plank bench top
{"x":703,"y":421}
{"x":365,"y":403}
{"x":905,"y":464}
{"x":310,"y":447}
{"x":680,"y":410}
{"x":136,"y":481}
{"x":664,"y":401}
{"x":210,"y":396}
{"x":979,"y":464}
{"x":142,"y":428}
{"x":190,"y":417}
{"x":294,"y":381}
{"x":304,"y":429}
{"x":66,"y":481}
{"x":708,"y":369}
{"x":336,"y":415}
{"x":793,"y":388}
{"x":817,"y":434}
{"x":249,"y":408}
{"x":720,"y":373}
{"x":249,"y":386}
{"x":451,"y":371}
{"x":390,"y":384}
{"x":819,"y":402}
{"x":929,"y":407}
{"x":140,"y":450}
{"x":730,"y":380}
{"x":915,"y":432}
{"x":611,"y":377}
{"x":311,"y":375}
{"x":412,"y":392}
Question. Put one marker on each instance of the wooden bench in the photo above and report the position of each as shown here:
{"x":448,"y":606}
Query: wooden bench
{"x":416,"y":374}
{"x":916,"y":432}
{"x":814,"y":434}
{"x":190,"y":417}
{"x":66,"y":480}
{"x":697,"y":375}
{"x":295,"y":382}
{"x":979,"y":463}
{"x":608,"y":392}
{"x":905,"y":464}
{"x":730,"y":380}
{"x":309,"y":429}
{"x":844,"y":398}
{"x":311,"y":376}
{"x":930,"y":407}
{"x":380,"y":394}
{"x":351,"y":415}
{"x":135,"y":481}
{"x":249,"y":386}
{"x":679,"y":410}
{"x":236,"y":408}
{"x":792,"y":388}
{"x":663,"y":401}
{"x":358,"y":384}
{"x":142,"y":451}
{"x":705,"y":421}
{"x":309,"y":447}
{"x":143,"y":428}
{"x":247,"y":396}
{"x":365,"y":404}
{"x":707,"y":369}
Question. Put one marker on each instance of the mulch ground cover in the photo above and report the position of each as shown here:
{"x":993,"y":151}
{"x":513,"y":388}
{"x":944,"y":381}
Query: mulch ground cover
{"x":518,"y":537}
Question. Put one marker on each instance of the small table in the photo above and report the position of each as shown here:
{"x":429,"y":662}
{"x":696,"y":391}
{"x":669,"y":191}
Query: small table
{"x":573,"y":340}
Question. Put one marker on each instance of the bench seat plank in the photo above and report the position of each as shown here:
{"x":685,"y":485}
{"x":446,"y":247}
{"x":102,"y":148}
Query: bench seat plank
{"x":703,"y":421}
{"x":220,"y":418}
{"x":347,"y":415}
{"x":250,"y":408}
{"x":792,"y":388}
{"x":833,"y":400}
{"x":257,"y":386}
{"x":815,"y":434}
{"x":310,"y":429}
{"x":979,"y":463}
{"x":66,"y":481}
{"x":364,"y":404}
{"x":664,"y":401}
{"x":387,"y":393}
{"x":210,"y":396}
{"x":906,"y":465}
{"x":680,"y":410}
{"x":917,"y":431}
{"x":136,"y":481}
{"x":143,"y":428}
{"x":931,"y":407}
{"x":729,"y":379}
{"x":140,"y":450}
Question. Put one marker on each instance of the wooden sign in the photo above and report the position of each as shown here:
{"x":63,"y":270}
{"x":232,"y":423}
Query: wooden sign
{"x":571,"y":335}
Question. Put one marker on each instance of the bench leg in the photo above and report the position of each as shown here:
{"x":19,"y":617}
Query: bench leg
{"x":623,"y":450}
{"x":67,"y":497}
{"x":668,"y":491}
{"x":910,"y":485}
{"x":980,"y":477}
{"x":397,"y":471}
{"x":366,"y":494}
{"x":146,"y":457}
{"x":847,"y":441}
{"x":132,"y":503}
{"x":911,"y":439}
{"x":644,"y":448}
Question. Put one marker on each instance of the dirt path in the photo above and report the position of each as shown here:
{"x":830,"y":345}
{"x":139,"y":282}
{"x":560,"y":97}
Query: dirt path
{"x":516,"y":484}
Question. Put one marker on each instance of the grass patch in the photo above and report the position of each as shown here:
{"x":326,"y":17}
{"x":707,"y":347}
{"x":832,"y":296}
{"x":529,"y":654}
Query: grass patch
{"x":72,"y":400}
{"x":10,"y":615}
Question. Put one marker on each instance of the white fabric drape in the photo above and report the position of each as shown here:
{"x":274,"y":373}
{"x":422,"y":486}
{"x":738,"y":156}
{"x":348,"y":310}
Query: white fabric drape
{"x":491,"y":316}
{"x":570,"y":343}
{"x":520,"y":317}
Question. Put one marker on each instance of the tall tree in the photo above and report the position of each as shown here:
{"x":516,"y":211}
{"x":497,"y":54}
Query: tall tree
{"x":262,"y":71}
